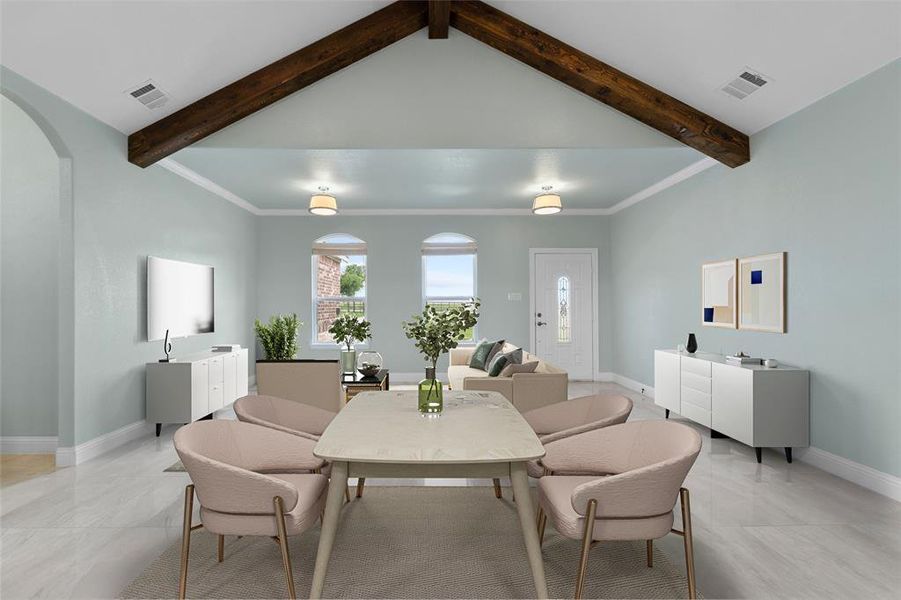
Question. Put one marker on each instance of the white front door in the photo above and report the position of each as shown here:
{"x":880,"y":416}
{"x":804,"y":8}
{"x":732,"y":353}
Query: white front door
{"x":564,"y":320}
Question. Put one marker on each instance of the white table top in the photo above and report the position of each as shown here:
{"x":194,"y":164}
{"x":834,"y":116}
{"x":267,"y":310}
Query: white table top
{"x":386,"y":427}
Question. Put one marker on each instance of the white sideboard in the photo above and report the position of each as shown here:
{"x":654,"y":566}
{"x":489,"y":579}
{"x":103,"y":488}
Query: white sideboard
{"x":194,"y":386}
{"x":759,"y":406}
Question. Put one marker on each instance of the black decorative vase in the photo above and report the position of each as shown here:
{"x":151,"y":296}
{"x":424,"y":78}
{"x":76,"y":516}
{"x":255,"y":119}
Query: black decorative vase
{"x":692,"y":344}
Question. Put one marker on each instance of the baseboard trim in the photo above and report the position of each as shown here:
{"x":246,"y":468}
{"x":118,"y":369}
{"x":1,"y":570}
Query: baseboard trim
{"x":636,"y":386}
{"x":70,"y":456}
{"x":28,"y":444}
{"x":868,"y":477}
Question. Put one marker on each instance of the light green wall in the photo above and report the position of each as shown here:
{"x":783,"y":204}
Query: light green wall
{"x":123,"y":213}
{"x":394,"y":284}
{"x":29,"y":230}
{"x":822,"y":185}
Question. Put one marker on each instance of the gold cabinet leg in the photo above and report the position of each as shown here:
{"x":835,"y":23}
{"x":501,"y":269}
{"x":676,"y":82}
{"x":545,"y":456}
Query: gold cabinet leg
{"x":587,"y":538}
{"x":650,"y":546}
{"x":220,"y":549}
{"x":497,"y":488}
{"x":686,"y":538}
{"x":541,"y":524}
{"x":185,"y":541}
{"x":361,"y":481}
{"x":283,"y":543}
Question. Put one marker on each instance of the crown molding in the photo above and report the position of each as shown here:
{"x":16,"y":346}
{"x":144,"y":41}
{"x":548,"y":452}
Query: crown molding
{"x":210,"y":186}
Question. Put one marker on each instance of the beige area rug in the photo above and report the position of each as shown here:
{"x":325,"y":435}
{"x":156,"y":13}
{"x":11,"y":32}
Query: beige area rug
{"x":404,"y":542}
{"x":177,"y":467}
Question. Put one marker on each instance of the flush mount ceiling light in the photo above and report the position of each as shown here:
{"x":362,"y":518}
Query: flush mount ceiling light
{"x":323,"y":204}
{"x":547,"y":202}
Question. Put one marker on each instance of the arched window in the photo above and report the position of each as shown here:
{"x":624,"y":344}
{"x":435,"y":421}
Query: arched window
{"x":339,"y":281}
{"x":449,"y":271}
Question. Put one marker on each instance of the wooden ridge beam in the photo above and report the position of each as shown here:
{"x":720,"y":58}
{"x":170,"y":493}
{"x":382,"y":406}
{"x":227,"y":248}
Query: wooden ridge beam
{"x":439,"y":19}
{"x":277,"y":80}
{"x":601,"y":81}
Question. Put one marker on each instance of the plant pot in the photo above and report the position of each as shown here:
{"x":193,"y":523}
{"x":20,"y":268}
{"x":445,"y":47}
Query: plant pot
{"x":314,"y":382}
{"x":348,"y":361}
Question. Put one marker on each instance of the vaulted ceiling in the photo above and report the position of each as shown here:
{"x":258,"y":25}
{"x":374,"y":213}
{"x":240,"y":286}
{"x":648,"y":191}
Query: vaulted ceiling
{"x":474,"y":103}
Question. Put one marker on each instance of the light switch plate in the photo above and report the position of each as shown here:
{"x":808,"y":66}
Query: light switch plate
{"x":514,"y":296}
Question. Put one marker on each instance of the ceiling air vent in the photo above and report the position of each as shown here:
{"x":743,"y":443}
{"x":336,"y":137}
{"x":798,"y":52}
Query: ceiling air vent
{"x":149,"y":94}
{"x":745,"y":84}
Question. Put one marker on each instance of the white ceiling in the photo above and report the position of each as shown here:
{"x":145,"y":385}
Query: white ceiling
{"x":90,"y":52}
{"x":490,"y":130}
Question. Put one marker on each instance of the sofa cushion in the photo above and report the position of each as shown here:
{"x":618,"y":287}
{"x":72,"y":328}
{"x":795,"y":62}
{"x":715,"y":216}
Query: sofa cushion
{"x":482,"y":354}
{"x":502,"y":359}
{"x":457,"y":373}
{"x":498,"y":346}
{"x":510,"y":369}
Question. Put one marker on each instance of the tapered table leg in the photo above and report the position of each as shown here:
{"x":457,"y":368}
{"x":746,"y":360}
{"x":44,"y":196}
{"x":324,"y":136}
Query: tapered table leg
{"x":520,"y":481}
{"x":333,"y":504}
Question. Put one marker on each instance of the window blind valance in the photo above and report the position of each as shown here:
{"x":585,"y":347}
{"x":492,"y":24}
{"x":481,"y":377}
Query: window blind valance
{"x":445,"y":249}
{"x":349,"y":249}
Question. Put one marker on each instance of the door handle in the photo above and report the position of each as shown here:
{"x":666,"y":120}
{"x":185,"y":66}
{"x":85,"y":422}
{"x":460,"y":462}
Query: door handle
{"x":540,"y":323}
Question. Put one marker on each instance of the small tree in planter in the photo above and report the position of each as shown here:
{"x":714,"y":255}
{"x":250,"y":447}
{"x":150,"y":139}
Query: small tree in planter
{"x":436,"y":332}
{"x":347,"y":329}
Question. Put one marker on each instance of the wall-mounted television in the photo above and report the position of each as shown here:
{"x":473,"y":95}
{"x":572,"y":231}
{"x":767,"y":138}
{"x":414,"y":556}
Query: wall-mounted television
{"x":179,"y":298}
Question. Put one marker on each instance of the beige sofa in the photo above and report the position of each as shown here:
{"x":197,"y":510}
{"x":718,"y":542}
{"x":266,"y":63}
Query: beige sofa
{"x":547,"y":385}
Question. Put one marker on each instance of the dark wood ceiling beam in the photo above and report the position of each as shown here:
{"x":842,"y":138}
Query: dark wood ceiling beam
{"x":277,"y":80}
{"x":439,"y":19}
{"x":601,"y":81}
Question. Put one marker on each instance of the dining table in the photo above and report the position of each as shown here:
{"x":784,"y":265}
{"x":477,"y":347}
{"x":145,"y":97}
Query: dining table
{"x":478,"y":434}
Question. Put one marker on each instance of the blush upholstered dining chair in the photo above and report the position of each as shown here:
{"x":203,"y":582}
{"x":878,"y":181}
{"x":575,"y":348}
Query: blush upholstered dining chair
{"x":247,"y":483}
{"x":572,"y":417}
{"x":290,"y":416}
{"x":640,"y":467}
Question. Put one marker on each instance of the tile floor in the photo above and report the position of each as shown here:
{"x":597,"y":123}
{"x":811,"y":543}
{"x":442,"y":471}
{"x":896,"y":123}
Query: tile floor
{"x":761,"y":531}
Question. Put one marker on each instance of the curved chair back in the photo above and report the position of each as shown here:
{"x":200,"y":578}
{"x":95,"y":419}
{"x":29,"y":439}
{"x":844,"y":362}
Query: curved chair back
{"x":648,"y":461}
{"x":578,"y":415}
{"x":285,"y":415}
{"x":227,"y":462}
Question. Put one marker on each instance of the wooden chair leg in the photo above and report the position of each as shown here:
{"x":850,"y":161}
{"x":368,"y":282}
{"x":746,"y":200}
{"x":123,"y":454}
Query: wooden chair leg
{"x":587,"y":538}
{"x":220,"y":549}
{"x":346,"y":496}
{"x":542,"y":524}
{"x":361,"y":481}
{"x":686,"y":538}
{"x":497,"y":488}
{"x":650,"y":546}
{"x":185,"y":541}
{"x":283,"y":543}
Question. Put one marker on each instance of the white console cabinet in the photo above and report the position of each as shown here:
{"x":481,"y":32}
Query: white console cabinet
{"x":755,"y":405}
{"x":194,"y":386}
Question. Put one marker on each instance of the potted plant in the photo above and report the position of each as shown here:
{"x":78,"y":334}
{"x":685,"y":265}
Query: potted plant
{"x":277,"y":371}
{"x":347,"y":329}
{"x":436,"y":332}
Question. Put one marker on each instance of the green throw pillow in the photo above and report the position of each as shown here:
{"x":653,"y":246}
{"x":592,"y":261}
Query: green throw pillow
{"x":502,"y":359}
{"x":480,"y":354}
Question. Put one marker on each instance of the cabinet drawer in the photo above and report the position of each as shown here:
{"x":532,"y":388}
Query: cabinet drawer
{"x":696,"y":414}
{"x":699,"y":399}
{"x":696,"y":366}
{"x":216,"y":371}
{"x":696,"y":382}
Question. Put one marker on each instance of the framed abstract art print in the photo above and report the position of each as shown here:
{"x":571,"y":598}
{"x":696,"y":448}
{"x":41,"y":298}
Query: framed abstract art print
{"x":718,"y":299}
{"x":761,"y":293}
